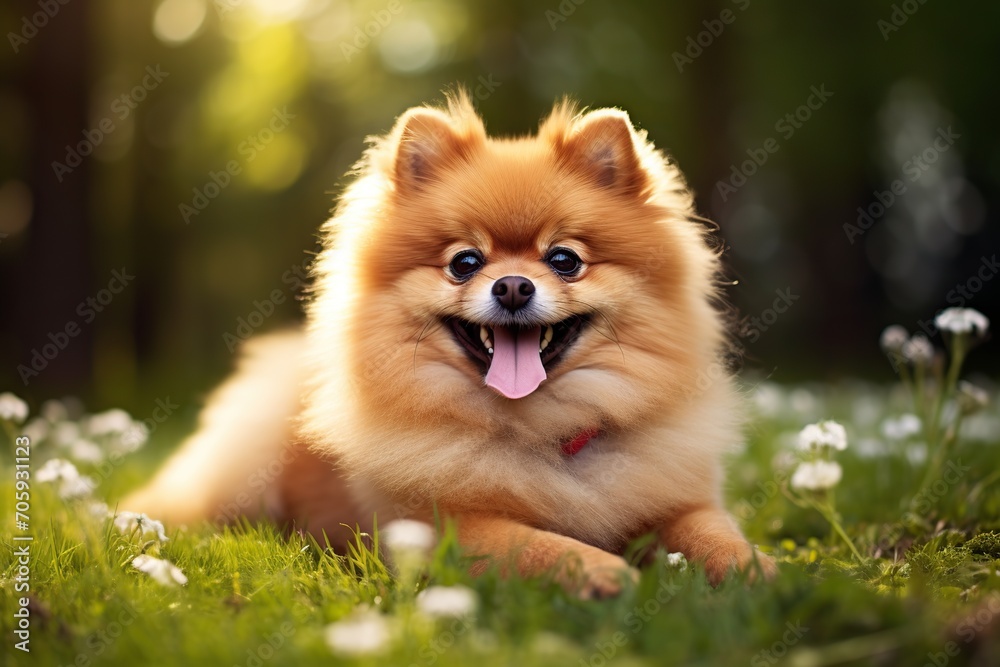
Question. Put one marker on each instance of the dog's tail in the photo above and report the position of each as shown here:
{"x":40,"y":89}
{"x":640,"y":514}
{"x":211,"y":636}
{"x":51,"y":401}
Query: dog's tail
{"x":230,"y":467}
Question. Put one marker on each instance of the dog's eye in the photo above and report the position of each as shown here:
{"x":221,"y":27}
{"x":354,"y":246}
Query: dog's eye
{"x":564,"y":262}
{"x":465,"y":263}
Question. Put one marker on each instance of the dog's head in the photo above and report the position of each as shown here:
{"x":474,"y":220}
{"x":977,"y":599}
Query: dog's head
{"x":542,"y":279}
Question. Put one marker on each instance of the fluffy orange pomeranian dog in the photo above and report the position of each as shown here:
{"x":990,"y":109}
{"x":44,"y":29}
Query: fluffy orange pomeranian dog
{"x":520,"y":335}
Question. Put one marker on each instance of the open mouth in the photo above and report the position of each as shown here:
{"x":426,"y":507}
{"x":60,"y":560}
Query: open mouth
{"x":515,"y":359}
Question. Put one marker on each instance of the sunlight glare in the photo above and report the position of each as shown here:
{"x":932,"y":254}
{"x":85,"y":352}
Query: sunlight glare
{"x":177,"y":21}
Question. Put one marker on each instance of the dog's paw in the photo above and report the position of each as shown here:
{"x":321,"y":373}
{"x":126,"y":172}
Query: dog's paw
{"x":597,"y":576}
{"x":739,"y":556}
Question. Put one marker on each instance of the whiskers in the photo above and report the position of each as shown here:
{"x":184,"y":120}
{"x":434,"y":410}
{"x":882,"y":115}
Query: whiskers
{"x":429,"y":328}
{"x":613,"y":337}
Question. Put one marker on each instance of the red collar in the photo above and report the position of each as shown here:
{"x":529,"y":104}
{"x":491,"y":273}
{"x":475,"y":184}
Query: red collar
{"x":573,"y":447}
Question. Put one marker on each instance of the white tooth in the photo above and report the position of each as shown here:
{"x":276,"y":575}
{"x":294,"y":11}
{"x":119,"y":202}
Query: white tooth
{"x":488,"y":344}
{"x":489,"y":350}
{"x":544,"y":345}
{"x":484,"y":334}
{"x":548,"y":335}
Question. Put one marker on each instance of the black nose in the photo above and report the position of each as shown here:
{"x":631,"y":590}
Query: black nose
{"x":513,"y":292}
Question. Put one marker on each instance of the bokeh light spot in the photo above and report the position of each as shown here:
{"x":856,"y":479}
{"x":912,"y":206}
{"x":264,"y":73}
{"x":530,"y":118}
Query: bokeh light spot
{"x":177,"y":21}
{"x":278,"y":164}
{"x":409,"y":46}
{"x":285,"y":10}
{"x":15,"y":207}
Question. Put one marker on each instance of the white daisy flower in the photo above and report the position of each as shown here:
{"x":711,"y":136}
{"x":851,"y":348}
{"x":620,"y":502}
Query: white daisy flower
{"x":971,"y":398}
{"x":894,"y":338}
{"x":824,"y":434}
{"x":98,"y":509}
{"x":784,"y":459}
{"x":71,"y":483}
{"x":869,"y":448}
{"x":85,"y":450}
{"x":363,"y":633}
{"x":769,"y":398}
{"x":65,"y":433}
{"x":916,"y":453}
{"x":131,"y":522}
{"x":902,"y":427}
{"x":54,"y":411}
{"x":447,"y":601}
{"x":80,"y":487}
{"x":866,"y":409}
{"x":817,"y":475}
{"x":56,"y":469}
{"x":36,"y":430}
{"x":803,"y":401}
{"x":962,"y":320}
{"x":109,"y":422}
{"x":12,"y":408}
{"x":677,"y":560}
{"x":162,"y":571}
{"x":405,"y":535}
{"x":981,"y":427}
{"x":918,"y":350}
{"x":131,"y":439}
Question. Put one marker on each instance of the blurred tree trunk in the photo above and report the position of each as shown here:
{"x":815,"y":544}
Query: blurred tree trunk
{"x":713,"y":92}
{"x":53,"y":276}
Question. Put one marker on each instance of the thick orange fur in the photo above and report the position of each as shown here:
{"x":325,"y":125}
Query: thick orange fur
{"x":395,"y":410}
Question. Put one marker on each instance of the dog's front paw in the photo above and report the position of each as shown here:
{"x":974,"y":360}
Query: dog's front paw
{"x":597,"y":575}
{"x":739,"y":556}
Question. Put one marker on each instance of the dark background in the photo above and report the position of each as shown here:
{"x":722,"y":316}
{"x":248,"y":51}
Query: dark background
{"x":227,"y":71}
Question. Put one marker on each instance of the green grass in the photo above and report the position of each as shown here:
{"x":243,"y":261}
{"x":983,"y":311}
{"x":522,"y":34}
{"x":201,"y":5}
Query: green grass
{"x":256,"y":596}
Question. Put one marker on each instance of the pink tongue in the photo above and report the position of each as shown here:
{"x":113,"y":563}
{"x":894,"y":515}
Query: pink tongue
{"x":516,"y":369}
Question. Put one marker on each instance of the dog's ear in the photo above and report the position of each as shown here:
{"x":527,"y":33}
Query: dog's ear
{"x":602,"y":144}
{"x":428,"y":141}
